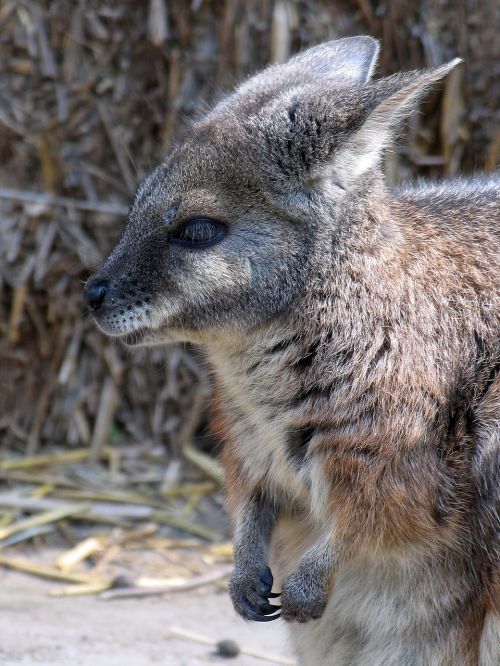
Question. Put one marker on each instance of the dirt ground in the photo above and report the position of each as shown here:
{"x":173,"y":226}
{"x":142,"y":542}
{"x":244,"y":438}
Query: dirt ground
{"x":38,"y":629}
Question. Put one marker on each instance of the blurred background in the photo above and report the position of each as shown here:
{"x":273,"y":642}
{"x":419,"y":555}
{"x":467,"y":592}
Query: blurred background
{"x":92,"y":94}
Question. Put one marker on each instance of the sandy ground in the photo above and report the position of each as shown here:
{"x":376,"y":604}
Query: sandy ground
{"x":38,"y":629}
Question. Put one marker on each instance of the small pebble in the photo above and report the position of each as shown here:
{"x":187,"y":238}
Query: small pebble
{"x":227,"y":648}
{"x":121,"y":581}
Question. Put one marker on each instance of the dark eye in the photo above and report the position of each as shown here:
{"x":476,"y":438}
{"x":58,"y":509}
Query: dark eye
{"x":198,"y":232}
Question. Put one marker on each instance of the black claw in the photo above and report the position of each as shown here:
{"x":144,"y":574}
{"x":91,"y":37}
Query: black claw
{"x":268,"y":609}
{"x":262,"y":603}
{"x":264,"y":618}
{"x":258,"y":615}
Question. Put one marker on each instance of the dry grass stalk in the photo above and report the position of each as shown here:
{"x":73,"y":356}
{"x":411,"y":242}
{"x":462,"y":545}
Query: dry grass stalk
{"x":207,"y":464}
{"x":175,"y":586}
{"x":71,"y":558}
{"x":178,"y":632}
{"x":26,"y":462}
{"x":43,"y":571}
{"x":181,"y":523}
{"x":105,"y":415}
{"x":42,"y":519}
{"x":48,"y":200}
{"x":83,"y":589}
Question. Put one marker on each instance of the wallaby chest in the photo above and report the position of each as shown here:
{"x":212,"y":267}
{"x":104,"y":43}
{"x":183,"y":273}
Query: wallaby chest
{"x":257,"y":392}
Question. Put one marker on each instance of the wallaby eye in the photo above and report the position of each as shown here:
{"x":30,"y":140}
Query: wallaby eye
{"x":198,"y":232}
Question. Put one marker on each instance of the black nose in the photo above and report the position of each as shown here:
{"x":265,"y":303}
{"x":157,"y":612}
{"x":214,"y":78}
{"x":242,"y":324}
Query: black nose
{"x":95,"y":293}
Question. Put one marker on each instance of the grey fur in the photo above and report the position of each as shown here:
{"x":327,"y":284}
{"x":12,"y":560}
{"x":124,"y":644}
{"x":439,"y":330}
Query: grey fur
{"x":355,"y":336}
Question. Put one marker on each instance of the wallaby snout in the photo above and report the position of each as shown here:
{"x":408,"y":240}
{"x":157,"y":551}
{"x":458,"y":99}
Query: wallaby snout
{"x":119,"y":296}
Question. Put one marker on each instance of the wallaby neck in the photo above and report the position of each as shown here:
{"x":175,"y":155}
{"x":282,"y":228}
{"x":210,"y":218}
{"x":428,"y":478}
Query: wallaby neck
{"x":317,"y":318}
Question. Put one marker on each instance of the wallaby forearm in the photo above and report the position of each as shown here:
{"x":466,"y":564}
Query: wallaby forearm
{"x":253,"y":531}
{"x":252,"y":580}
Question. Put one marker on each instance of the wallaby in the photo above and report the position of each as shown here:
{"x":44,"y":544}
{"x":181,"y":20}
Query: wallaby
{"x":354,"y":333}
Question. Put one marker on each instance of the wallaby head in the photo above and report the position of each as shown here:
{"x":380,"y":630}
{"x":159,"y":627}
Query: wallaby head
{"x":222,"y":236}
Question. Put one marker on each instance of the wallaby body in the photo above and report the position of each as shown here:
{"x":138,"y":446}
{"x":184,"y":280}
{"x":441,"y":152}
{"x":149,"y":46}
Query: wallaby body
{"x":398,"y":487}
{"x":355,"y":337}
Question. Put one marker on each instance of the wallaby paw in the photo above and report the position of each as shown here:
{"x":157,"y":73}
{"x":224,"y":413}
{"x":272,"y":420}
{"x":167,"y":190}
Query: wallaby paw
{"x":250,"y":592}
{"x":303,"y":598}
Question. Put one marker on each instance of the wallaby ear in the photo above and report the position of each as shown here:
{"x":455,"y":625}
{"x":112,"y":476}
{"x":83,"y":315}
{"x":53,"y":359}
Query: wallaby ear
{"x":340,"y":63}
{"x":400,"y":95}
{"x":351,"y":59}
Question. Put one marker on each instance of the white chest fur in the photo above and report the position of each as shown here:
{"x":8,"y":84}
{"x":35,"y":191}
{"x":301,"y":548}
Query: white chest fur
{"x":261,"y":425}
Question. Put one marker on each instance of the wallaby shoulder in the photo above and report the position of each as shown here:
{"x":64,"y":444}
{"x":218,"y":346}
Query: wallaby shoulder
{"x":452,"y":230}
{"x":458,"y":202}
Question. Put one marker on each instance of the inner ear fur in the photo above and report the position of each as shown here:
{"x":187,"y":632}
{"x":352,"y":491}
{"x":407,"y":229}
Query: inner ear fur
{"x":390,"y":101}
{"x":399,"y":98}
